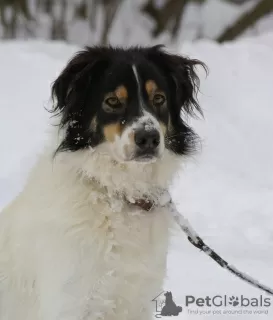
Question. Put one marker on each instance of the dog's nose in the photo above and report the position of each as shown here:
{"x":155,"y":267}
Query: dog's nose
{"x":147,"y":140}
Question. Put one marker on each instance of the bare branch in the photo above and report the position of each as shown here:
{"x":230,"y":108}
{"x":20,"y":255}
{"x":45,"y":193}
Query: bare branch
{"x":178,"y":19}
{"x":110,"y":10}
{"x":263,"y":8}
{"x":172,"y":10}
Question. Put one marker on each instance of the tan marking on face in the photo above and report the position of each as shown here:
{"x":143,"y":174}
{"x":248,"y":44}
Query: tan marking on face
{"x":122,"y":93}
{"x":151,"y":88}
{"x":111,"y":131}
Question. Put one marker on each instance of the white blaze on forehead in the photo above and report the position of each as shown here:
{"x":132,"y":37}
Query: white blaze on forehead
{"x":138,"y":86}
{"x":146,"y":121}
{"x":136,"y":75}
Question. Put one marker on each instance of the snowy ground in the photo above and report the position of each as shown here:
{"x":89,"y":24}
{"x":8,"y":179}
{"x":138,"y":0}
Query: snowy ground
{"x":225,"y":191}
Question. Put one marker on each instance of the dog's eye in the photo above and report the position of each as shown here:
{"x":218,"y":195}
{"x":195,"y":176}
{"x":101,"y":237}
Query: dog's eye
{"x":113,"y":101}
{"x":113,"y":105}
{"x":158,"y":99}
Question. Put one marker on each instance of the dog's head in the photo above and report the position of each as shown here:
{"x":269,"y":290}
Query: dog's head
{"x":168,"y":294}
{"x":128,"y":103}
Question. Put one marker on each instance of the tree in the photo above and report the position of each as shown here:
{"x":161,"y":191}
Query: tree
{"x":18,"y":8}
{"x":110,"y":9}
{"x":262,"y":8}
{"x":88,"y":10}
{"x":59,"y":25}
{"x":171,"y":11}
{"x":16,"y":17}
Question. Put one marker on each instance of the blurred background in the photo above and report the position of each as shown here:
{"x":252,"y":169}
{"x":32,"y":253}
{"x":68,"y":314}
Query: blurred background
{"x":226,"y":190}
{"x":134,"y":21}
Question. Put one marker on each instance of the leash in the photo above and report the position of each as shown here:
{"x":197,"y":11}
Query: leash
{"x":195,"y":240}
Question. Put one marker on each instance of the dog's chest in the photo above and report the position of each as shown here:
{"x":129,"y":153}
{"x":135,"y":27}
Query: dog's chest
{"x":131,"y":250}
{"x":133,"y":237}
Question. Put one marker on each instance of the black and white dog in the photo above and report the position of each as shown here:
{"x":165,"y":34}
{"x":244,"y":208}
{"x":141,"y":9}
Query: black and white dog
{"x":87,"y":238}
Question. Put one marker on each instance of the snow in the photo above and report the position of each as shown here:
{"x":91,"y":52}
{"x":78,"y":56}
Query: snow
{"x":225,"y":191}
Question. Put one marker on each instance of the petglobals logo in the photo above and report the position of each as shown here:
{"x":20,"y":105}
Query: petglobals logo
{"x":165,"y":305}
{"x":227,"y":301}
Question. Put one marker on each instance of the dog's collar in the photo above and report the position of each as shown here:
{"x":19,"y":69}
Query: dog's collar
{"x":148,"y":204}
{"x":144,"y":203}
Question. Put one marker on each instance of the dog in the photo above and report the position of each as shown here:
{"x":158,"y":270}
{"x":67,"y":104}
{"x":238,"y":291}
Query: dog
{"x":87,"y":238}
{"x":170,"y":308}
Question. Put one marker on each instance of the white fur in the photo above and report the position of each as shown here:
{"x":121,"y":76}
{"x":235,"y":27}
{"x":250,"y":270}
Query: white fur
{"x":71,"y":247}
{"x":138,"y":82}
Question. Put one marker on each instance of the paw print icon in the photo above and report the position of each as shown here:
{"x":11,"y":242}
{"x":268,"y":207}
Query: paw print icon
{"x":234,"y":301}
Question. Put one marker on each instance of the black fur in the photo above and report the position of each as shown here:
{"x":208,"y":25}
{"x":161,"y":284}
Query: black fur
{"x":79,"y":91}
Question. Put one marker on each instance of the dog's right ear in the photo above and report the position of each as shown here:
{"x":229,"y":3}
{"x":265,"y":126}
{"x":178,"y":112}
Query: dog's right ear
{"x":75,"y":79}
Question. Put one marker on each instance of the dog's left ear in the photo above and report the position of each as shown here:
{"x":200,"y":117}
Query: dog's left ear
{"x":73,"y":84}
{"x":181,"y":74}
